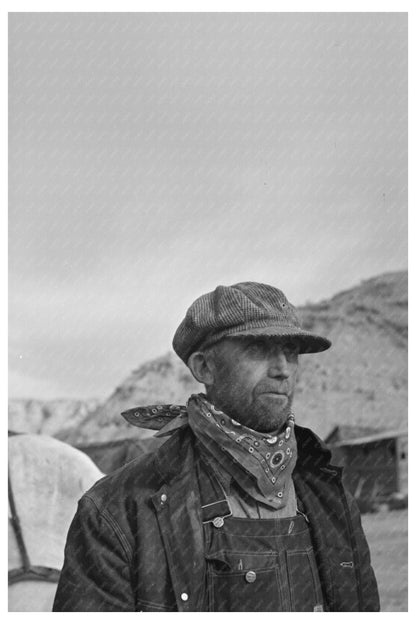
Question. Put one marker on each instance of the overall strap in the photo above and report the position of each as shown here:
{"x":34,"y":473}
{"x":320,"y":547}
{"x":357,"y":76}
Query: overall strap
{"x":214,"y":503}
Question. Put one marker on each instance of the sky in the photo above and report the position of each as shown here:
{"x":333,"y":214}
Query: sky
{"x":154,"y":156}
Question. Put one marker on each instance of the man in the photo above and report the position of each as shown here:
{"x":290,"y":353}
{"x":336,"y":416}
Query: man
{"x":240,"y":510}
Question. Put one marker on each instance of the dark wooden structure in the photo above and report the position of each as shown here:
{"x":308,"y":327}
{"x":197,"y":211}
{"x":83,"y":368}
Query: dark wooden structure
{"x":375,"y":462}
{"x":109,"y":456}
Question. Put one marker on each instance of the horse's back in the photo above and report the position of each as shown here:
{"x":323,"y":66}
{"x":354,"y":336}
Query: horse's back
{"x":47,"y":479}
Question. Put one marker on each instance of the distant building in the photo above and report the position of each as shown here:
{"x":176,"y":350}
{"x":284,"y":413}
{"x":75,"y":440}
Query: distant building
{"x":109,"y":456}
{"x":374,"y":461}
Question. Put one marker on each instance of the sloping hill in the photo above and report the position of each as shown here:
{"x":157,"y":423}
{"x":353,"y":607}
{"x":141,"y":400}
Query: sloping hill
{"x":361,"y":380}
{"x":48,"y":417}
{"x":163,"y":380}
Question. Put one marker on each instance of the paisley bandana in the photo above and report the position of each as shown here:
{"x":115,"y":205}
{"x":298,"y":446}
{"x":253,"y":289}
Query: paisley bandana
{"x":261,"y":463}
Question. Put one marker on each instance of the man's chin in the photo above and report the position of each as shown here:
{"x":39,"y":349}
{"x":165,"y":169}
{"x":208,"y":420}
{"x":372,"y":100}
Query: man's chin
{"x":272,"y":413}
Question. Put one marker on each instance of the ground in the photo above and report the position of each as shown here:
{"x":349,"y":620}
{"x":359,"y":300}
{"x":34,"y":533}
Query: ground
{"x":386,"y":533}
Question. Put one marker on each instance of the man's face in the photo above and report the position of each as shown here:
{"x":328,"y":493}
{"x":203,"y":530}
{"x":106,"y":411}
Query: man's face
{"x":254,"y":380}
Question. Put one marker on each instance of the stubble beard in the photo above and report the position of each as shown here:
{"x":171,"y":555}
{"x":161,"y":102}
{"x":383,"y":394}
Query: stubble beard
{"x":268,"y":418}
{"x":260,"y":415}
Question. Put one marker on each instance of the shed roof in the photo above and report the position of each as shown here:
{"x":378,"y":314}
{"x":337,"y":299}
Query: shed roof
{"x":376,"y":437}
{"x":349,"y":432}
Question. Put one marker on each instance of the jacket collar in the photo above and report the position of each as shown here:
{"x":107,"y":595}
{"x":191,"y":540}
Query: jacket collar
{"x":174,"y":458}
{"x":313,"y":453}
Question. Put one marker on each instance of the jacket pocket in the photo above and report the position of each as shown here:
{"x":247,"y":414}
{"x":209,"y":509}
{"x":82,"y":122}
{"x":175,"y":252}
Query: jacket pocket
{"x":145,"y":606}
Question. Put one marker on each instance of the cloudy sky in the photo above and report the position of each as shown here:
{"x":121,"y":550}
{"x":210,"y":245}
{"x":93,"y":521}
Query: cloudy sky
{"x":155,"y":156}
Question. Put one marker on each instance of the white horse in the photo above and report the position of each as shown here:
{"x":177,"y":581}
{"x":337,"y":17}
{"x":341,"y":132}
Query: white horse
{"x":46,"y":479}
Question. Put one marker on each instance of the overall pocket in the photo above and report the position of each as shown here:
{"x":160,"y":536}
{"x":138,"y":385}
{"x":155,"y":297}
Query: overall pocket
{"x":304,"y":584}
{"x":241,"y":581}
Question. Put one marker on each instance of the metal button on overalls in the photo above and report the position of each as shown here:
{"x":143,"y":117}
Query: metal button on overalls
{"x":251,"y":576}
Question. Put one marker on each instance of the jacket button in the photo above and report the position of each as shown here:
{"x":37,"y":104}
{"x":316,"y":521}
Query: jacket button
{"x":250,"y":576}
{"x":184,"y":596}
{"x":163,"y":498}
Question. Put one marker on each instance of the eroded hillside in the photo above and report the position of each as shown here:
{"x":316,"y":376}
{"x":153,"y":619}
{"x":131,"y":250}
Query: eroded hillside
{"x":362,"y":379}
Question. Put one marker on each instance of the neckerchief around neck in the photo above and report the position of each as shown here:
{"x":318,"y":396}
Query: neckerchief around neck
{"x":261,"y":463}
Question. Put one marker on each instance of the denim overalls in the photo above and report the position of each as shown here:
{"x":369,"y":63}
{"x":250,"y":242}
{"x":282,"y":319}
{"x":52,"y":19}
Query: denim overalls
{"x":256,"y":565}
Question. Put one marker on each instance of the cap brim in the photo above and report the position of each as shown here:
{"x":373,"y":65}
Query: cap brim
{"x":309,"y":343}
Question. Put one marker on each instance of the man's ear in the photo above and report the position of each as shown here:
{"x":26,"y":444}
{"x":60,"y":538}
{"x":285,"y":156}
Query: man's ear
{"x":201,"y":368}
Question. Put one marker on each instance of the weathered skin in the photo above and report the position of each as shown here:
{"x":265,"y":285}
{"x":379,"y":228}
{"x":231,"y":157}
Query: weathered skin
{"x":251,"y":379}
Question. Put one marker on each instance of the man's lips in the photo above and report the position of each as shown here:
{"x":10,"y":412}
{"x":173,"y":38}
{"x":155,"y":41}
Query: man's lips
{"x":268,"y":389}
{"x":272,"y":390}
{"x":273,"y":393}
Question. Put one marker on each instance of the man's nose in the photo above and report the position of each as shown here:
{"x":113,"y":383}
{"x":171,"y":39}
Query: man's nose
{"x":278,"y":366}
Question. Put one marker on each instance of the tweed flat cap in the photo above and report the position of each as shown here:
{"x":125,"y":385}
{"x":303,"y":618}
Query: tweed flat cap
{"x":244,"y":309}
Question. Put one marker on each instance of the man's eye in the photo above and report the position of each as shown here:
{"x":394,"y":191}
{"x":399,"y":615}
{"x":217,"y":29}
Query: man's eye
{"x":291,"y":348}
{"x":254,"y":349}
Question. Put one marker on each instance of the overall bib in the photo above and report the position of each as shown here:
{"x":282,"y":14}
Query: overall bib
{"x":256,"y":565}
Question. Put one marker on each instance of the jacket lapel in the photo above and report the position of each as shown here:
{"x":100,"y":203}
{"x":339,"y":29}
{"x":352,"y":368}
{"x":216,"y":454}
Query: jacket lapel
{"x":319,"y":486}
{"x":178,"y":509}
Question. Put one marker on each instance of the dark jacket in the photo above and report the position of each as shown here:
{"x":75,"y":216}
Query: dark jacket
{"x":136,"y":541}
